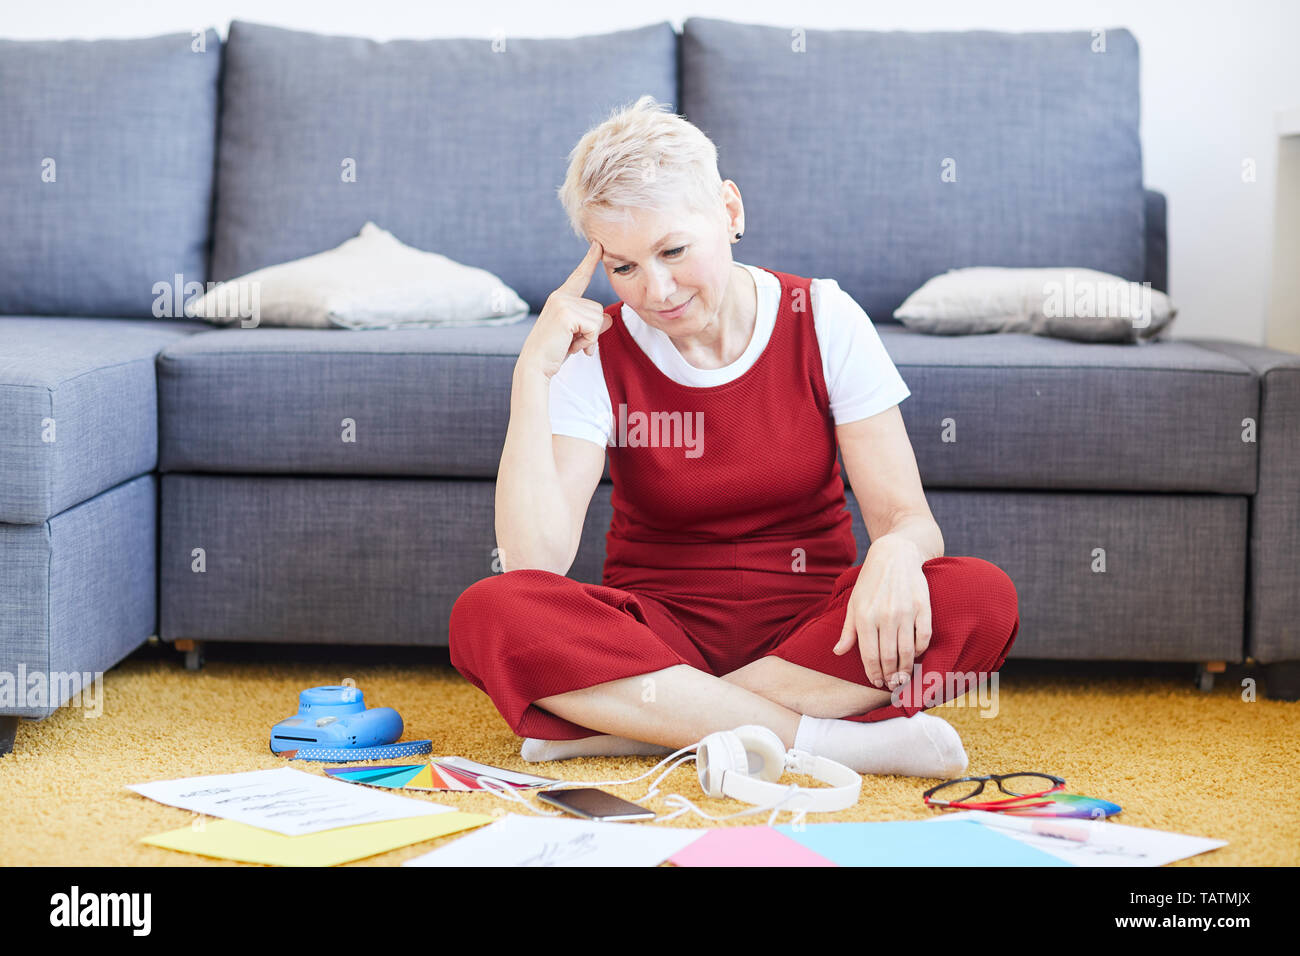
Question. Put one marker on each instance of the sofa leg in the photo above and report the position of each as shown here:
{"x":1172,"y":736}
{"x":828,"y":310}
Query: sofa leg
{"x":1282,"y":678}
{"x":8,"y":730}
{"x":193,"y":653}
{"x":1205,"y":674}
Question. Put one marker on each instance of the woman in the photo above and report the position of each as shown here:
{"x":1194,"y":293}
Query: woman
{"x":729,"y":594}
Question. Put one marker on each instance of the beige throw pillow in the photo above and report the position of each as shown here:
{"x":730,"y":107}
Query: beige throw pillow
{"x":1080,"y":304}
{"x":372,"y":281}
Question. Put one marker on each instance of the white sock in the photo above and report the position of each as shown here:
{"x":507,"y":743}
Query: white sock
{"x":918,"y":746}
{"x":601,"y":745}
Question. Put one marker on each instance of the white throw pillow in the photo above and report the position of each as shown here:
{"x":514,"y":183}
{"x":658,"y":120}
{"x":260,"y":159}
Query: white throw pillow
{"x":372,"y":281}
{"x":1080,"y":304}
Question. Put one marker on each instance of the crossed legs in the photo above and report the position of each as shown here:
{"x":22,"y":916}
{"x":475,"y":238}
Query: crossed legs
{"x":677,"y":706}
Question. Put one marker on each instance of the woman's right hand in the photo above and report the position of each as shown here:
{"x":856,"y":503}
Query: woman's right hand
{"x":567,"y":322}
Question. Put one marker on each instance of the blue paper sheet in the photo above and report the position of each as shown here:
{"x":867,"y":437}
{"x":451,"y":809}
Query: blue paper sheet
{"x":915,"y":843}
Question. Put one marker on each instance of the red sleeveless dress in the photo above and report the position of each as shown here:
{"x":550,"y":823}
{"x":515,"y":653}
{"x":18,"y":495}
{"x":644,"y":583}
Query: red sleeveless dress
{"x":747,"y":522}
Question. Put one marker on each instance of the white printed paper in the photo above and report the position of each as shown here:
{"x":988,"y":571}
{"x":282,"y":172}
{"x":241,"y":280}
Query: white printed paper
{"x":1098,"y":843}
{"x":564,"y":841}
{"x":285,"y":800}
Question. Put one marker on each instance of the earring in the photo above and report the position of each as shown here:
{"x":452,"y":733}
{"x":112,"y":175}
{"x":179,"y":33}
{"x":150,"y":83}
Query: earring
{"x":738,"y":235}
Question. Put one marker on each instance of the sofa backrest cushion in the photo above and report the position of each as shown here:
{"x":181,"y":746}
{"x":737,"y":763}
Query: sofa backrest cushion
{"x":455,"y":146}
{"x":106,"y":168}
{"x":883,"y":159}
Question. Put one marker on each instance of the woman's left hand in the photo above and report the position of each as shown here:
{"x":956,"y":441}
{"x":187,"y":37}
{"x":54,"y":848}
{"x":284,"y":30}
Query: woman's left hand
{"x":889,"y":611}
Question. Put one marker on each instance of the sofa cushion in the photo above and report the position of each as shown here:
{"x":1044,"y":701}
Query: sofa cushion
{"x":886,"y":158}
{"x":78,"y":408}
{"x":268,"y":400}
{"x":106,"y":166}
{"x":1026,"y":411}
{"x":449,"y":144}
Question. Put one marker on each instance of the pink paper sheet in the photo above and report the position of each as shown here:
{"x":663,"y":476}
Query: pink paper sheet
{"x":747,"y":846}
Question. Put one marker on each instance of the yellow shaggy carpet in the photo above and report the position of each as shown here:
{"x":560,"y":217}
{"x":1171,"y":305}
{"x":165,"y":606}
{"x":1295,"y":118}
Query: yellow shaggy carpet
{"x":1175,"y":758}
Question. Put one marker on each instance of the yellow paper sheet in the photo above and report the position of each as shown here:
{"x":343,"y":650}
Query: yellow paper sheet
{"x":238,"y":841}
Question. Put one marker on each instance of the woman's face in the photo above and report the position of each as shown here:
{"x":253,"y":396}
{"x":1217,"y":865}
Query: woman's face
{"x":660,"y":261}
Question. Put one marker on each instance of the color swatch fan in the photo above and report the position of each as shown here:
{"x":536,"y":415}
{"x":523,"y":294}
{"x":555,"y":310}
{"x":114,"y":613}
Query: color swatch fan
{"x":450,"y":773}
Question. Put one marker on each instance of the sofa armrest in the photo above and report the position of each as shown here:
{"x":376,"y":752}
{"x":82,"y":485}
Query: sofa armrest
{"x":1273,"y":598}
{"x":1156,"y":241}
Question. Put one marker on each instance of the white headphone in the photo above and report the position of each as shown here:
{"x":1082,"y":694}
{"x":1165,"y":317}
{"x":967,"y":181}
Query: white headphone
{"x":744,"y":764}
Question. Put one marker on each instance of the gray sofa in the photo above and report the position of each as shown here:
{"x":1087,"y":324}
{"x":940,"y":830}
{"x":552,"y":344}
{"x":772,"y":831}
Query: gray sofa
{"x":159,"y":475}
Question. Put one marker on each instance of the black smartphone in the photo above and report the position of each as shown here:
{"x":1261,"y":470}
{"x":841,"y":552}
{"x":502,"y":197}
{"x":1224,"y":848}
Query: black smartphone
{"x":592,"y":804}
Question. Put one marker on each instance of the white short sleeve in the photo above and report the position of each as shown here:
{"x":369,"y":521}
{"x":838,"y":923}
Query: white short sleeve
{"x":579,"y":400}
{"x":860,"y":376}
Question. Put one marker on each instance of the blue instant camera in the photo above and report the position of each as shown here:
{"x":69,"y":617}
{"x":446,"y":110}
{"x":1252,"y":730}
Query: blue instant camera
{"x":335,"y":717}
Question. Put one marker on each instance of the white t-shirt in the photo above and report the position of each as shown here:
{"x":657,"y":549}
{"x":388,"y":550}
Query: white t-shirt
{"x":860,"y":376}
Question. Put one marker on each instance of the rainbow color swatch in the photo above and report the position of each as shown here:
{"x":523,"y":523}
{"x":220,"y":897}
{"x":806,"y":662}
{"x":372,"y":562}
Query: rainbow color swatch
{"x":433,"y":775}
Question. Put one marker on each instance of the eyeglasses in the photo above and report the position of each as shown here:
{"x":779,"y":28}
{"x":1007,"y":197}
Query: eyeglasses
{"x":1020,"y":787}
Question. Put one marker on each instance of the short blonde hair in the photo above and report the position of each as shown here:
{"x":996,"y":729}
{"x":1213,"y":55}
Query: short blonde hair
{"x":643,"y":156}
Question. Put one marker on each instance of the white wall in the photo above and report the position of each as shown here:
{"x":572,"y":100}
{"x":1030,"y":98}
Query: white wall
{"x":1214,"y":76}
